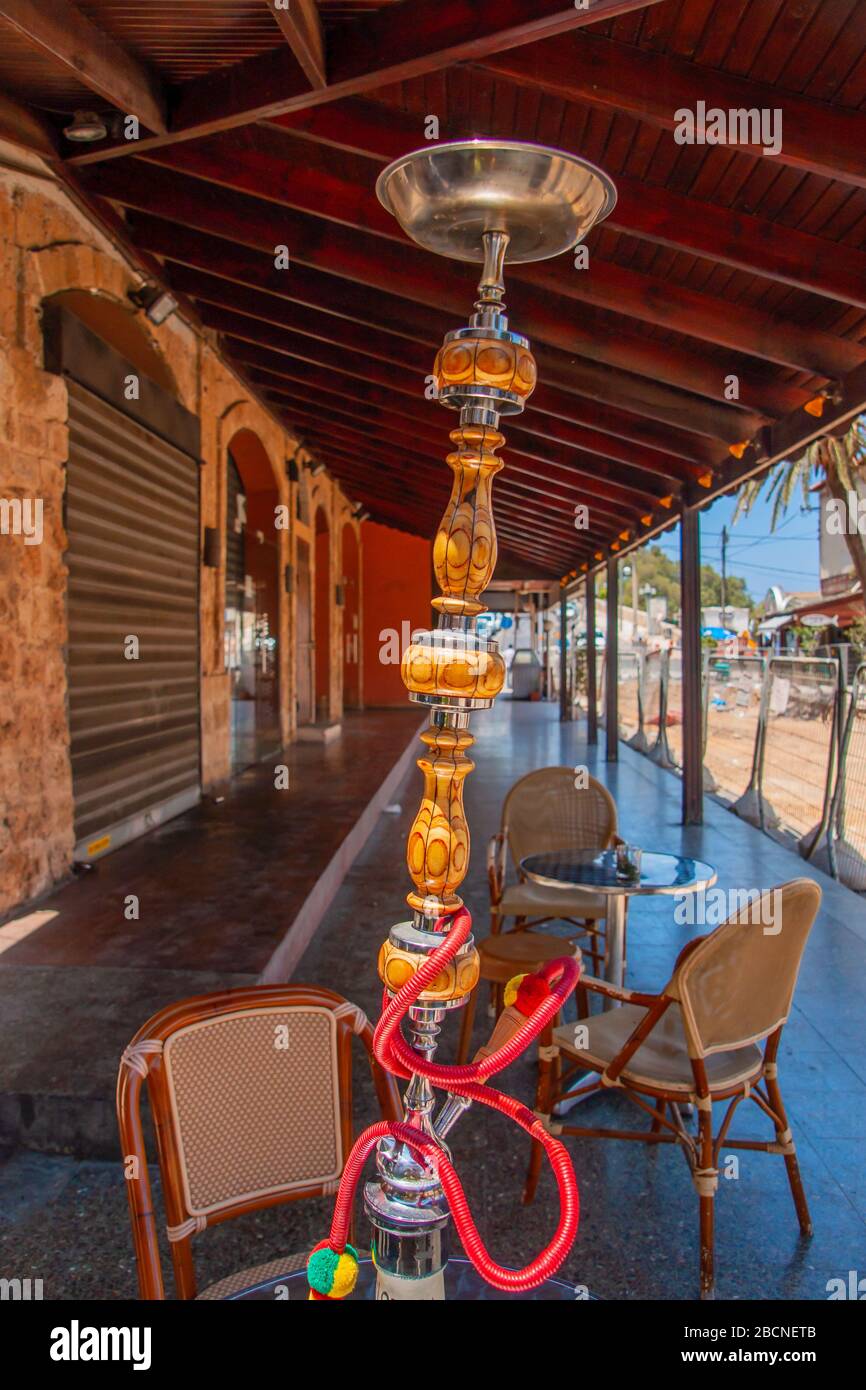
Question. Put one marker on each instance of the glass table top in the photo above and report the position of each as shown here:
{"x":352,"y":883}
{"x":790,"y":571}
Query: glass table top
{"x":596,"y":869}
{"x":462,"y":1283}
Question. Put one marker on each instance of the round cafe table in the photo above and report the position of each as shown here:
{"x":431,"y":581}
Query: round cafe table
{"x":595,"y":870}
{"x":462,"y":1283}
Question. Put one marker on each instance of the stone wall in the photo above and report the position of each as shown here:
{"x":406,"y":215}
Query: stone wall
{"x":49,"y":247}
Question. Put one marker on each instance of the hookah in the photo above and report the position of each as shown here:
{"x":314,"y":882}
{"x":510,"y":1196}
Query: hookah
{"x":493,"y":202}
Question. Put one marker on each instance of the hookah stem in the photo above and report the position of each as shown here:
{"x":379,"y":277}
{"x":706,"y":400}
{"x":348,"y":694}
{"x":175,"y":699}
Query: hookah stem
{"x":401,"y":1060}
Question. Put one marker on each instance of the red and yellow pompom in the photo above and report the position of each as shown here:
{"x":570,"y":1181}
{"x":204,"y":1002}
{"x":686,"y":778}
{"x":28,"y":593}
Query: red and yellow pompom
{"x":526,"y":992}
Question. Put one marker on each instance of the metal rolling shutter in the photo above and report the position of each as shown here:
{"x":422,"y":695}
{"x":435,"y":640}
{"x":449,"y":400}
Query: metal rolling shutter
{"x":132,"y":510}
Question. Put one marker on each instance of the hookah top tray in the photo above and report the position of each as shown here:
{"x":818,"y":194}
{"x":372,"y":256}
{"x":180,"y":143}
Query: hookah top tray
{"x":446,"y":197}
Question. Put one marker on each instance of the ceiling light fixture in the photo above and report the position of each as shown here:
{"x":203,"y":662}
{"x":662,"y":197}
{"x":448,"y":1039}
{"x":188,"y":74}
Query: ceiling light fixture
{"x":157,"y":303}
{"x":85,"y":128}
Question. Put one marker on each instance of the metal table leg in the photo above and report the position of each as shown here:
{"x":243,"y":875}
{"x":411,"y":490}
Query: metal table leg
{"x":614,"y":957}
{"x":614,"y":974}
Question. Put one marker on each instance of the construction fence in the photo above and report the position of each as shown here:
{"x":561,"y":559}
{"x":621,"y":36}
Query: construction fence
{"x":784,"y":743}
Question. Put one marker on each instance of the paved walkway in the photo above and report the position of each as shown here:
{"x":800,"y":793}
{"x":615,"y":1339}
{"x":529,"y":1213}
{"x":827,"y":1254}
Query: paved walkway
{"x":638,"y":1235}
{"x":229,"y":891}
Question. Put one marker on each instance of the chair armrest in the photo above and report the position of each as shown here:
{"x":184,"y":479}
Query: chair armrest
{"x":496,"y":851}
{"x":625,"y":996}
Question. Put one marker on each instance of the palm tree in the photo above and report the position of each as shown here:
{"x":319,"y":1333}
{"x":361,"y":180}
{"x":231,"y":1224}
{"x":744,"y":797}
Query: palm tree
{"x":837,"y":463}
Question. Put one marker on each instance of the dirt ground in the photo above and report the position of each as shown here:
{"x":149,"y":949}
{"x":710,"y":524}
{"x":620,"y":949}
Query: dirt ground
{"x":795,"y":760}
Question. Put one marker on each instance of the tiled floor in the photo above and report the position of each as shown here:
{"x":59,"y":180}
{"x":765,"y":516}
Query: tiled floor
{"x":638,"y":1236}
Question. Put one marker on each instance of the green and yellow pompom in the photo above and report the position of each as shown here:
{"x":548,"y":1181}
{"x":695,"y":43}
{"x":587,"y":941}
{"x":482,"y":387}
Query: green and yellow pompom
{"x":331,"y":1273}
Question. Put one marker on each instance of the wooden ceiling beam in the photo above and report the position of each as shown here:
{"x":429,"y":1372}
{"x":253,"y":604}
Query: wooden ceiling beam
{"x":87,"y":53}
{"x":393,"y":45}
{"x":27,"y":129}
{"x":407,"y":370}
{"x":611,"y":481}
{"x":373,"y":423}
{"x":389,"y":481}
{"x":817,"y":137}
{"x":513,"y":479}
{"x":742,"y":240}
{"x":403,"y":269}
{"x":387,"y":493}
{"x":269,"y":164}
{"x":512,"y":519}
{"x":587,"y":476}
{"x":621,"y":403}
{"x":301,"y":27}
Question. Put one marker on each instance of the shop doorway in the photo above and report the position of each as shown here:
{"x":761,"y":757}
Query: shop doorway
{"x":304,"y":647}
{"x":351,"y":620}
{"x":252,"y":601}
{"x":323,"y":617}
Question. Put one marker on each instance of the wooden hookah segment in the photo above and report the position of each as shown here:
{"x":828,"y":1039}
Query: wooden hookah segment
{"x":452,"y":663}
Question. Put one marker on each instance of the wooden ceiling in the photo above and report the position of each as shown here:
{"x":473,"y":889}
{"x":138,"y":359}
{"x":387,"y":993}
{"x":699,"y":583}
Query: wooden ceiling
{"x":264,"y":126}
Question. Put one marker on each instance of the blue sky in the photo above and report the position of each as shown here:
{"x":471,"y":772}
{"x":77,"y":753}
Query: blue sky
{"x":788,"y":556}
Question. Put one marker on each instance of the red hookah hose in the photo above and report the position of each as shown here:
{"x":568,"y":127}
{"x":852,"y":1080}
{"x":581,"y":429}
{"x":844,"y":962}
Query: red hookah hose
{"x":397,"y":1057}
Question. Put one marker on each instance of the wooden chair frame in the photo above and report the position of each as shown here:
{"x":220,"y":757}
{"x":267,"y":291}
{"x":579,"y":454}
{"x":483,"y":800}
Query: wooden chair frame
{"x":497,"y":857}
{"x":582,"y":928}
{"x":143,"y":1063}
{"x":701,"y":1150}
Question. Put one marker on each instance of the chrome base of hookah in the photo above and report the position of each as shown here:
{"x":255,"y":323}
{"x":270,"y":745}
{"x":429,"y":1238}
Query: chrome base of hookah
{"x":405,"y":1203}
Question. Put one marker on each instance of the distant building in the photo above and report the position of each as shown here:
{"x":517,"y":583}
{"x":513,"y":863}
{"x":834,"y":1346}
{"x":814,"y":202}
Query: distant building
{"x":734,"y":619}
{"x":781,"y":611}
{"x":840,"y":601}
{"x":837,"y":568}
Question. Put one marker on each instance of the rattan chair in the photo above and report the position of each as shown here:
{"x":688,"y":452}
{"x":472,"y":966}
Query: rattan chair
{"x":543,"y":811}
{"x":546,"y":811}
{"x":697,"y":1042}
{"x":251,"y":1096}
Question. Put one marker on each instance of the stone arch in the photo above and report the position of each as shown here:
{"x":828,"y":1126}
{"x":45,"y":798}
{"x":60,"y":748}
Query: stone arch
{"x":243,"y":416}
{"x":95,"y":288}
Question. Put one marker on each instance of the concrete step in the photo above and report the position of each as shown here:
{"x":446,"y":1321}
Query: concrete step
{"x":62,"y":1034}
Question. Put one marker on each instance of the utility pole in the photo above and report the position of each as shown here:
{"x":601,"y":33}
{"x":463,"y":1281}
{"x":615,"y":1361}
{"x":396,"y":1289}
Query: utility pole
{"x":690,"y":622}
{"x":724,"y":574}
